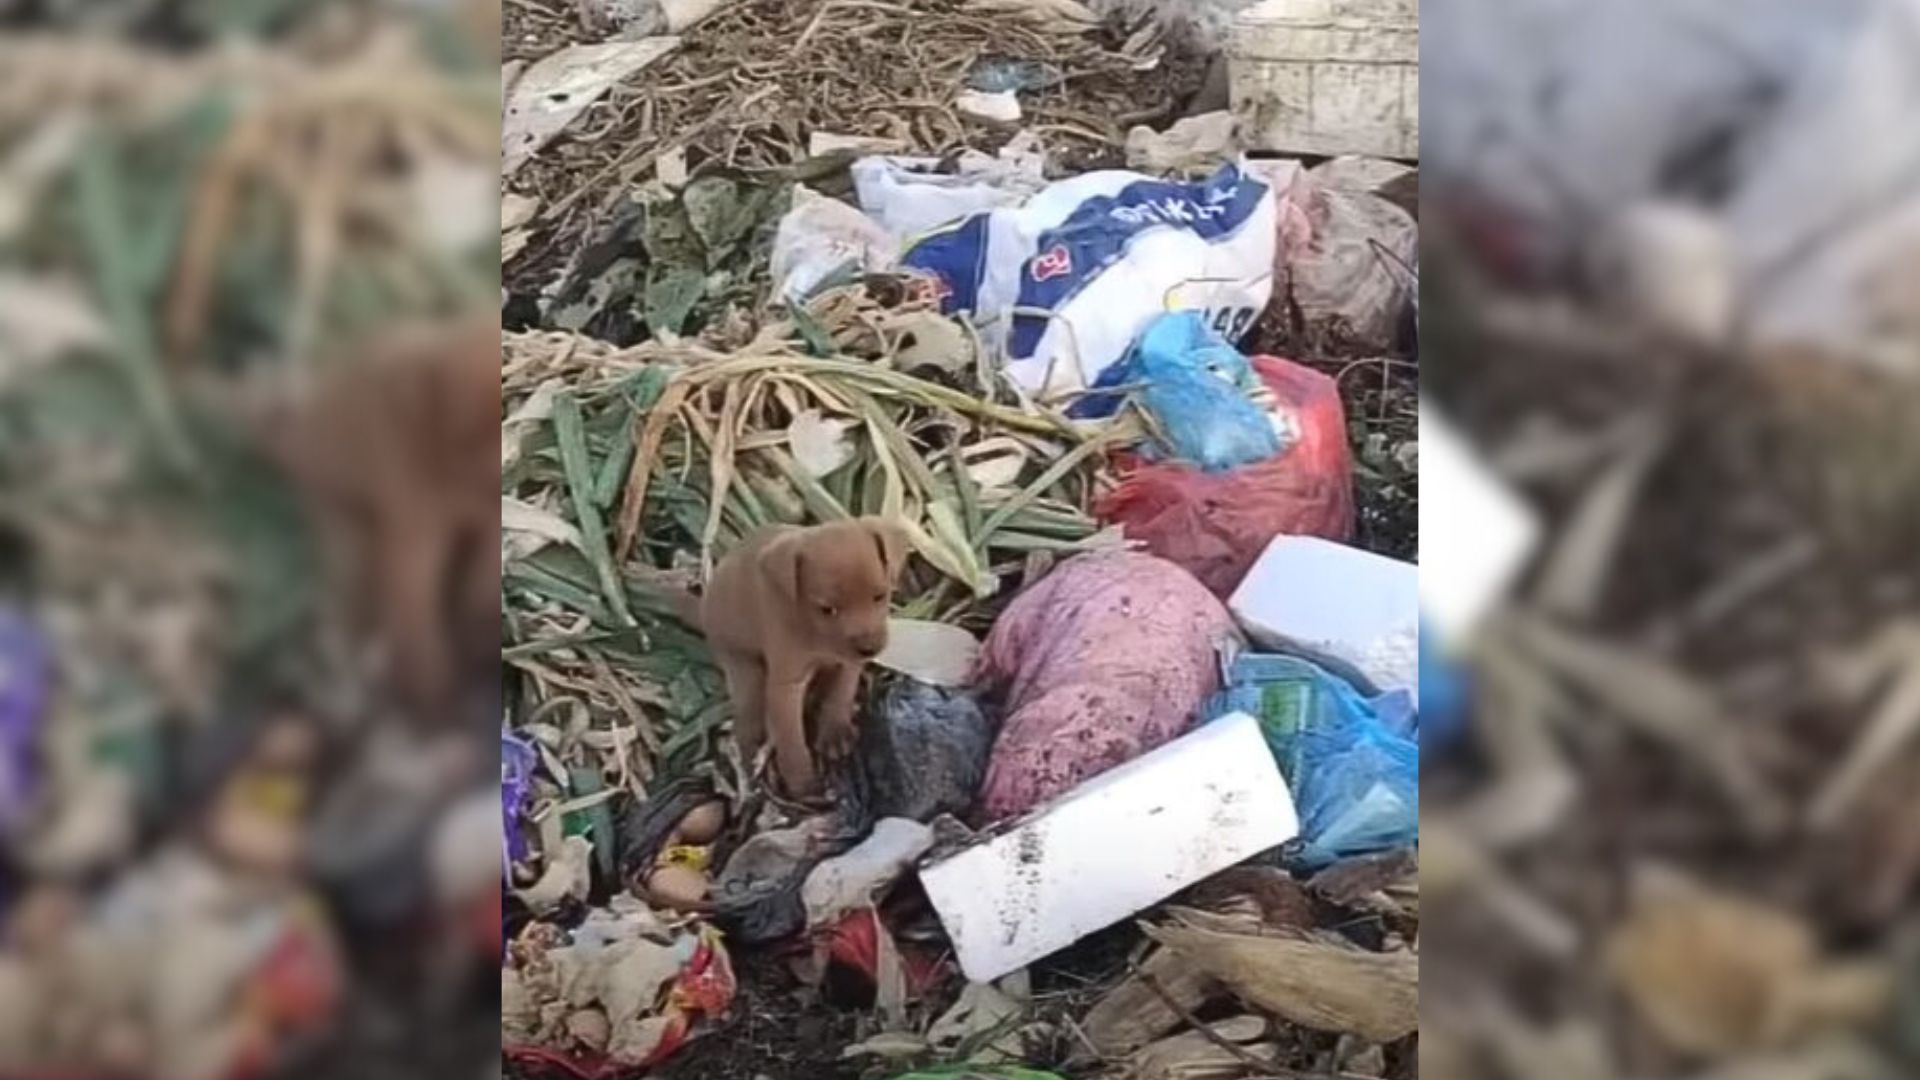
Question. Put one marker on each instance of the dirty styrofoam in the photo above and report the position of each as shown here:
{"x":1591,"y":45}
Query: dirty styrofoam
{"x":1339,"y":605}
{"x":1475,"y":540}
{"x":1328,"y":76}
{"x":1111,"y":847}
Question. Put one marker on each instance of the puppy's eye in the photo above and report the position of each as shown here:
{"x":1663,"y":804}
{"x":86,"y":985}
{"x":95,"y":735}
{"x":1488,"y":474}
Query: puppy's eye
{"x":879,"y":598}
{"x":829,"y":610}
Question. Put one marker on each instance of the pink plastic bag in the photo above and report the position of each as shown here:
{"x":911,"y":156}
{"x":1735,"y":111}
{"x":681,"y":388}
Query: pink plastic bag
{"x":1216,"y":524}
{"x":1103,"y":660}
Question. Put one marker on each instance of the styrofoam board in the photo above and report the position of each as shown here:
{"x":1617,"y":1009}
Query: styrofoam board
{"x":1348,"y":608}
{"x":1475,"y":534}
{"x":1113,"y":846}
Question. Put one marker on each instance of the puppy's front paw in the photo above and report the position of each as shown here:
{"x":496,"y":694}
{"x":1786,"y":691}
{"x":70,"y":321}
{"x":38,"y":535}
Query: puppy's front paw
{"x":800,"y":782}
{"x":838,"y":739}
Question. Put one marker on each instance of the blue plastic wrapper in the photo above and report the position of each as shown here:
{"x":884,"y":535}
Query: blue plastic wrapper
{"x":26,"y":677}
{"x":1444,"y":697}
{"x":1352,"y":762}
{"x":1196,"y":386}
{"x":517,"y":762}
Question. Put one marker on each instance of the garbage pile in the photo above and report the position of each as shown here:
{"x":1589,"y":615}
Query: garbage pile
{"x":1670,"y":824}
{"x":1130,"y":787}
{"x":182,"y":226}
{"x":1726,"y":183}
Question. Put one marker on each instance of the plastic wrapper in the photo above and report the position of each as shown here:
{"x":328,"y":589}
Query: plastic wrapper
{"x":852,"y":955}
{"x":926,"y":751}
{"x":1352,"y":762}
{"x":25,"y":679}
{"x":1104,"y":659}
{"x":757,"y":896}
{"x":517,"y":762}
{"x":1198,"y":389}
{"x":646,"y":829}
{"x":1215,"y":525}
{"x":820,"y":237}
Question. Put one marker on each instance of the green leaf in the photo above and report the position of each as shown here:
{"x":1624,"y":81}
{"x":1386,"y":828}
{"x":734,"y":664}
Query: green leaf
{"x":819,"y":342}
{"x":718,"y":215}
{"x":595,"y":822}
{"x":671,"y":298}
{"x":593,"y":531}
{"x":111,"y":247}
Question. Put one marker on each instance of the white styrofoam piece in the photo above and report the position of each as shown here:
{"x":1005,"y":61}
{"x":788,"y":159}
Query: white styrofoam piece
{"x":1475,"y":533}
{"x":1113,"y":846}
{"x":1328,"y":76}
{"x":1337,"y":604}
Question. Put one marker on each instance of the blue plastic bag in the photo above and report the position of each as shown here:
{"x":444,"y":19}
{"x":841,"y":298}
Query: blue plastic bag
{"x":1352,"y":762}
{"x":1197,"y":387}
{"x":1444,"y":696}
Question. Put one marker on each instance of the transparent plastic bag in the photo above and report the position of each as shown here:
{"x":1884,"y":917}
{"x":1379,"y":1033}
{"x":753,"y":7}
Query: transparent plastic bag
{"x":1352,"y":762}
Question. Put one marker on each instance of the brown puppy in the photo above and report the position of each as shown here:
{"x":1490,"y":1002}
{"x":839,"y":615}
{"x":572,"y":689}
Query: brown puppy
{"x":793,"y":609}
{"x":397,"y":459}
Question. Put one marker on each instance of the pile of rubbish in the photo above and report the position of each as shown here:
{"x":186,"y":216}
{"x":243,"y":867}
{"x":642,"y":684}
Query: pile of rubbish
{"x":178,"y":895}
{"x":1728,"y":183}
{"x":1134,"y":791}
{"x":1670,"y":824}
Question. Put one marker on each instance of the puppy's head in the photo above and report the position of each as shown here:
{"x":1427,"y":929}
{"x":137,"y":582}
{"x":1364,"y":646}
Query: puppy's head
{"x":840,"y":578}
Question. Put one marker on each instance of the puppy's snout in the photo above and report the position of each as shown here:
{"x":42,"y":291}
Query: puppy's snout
{"x":870,"y":645}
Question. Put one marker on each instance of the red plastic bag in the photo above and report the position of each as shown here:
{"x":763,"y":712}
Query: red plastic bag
{"x":854,"y":943}
{"x":1216,"y":524}
{"x":1101,"y":661}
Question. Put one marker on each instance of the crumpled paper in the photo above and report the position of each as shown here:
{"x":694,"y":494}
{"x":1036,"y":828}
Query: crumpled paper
{"x":623,"y":992}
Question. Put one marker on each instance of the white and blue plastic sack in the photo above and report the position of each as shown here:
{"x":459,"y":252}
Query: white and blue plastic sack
{"x":1064,"y":281}
{"x":1352,"y":762}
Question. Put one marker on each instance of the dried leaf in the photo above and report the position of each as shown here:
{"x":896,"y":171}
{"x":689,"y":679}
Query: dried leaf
{"x":1578,"y":572}
{"x":1133,"y":1014}
{"x":1193,"y":1056}
{"x":527,"y":528}
{"x":516,"y":210}
{"x":42,"y":321}
{"x":819,"y":445}
{"x":1719,"y":975}
{"x":1314,"y":983}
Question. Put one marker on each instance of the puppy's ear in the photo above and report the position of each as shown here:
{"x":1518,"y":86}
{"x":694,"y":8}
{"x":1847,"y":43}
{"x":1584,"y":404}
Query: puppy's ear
{"x":890,"y":539}
{"x":783,"y":561}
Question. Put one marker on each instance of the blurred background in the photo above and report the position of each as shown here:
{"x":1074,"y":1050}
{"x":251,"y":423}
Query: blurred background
{"x":249,"y":611}
{"x":1671,"y":539}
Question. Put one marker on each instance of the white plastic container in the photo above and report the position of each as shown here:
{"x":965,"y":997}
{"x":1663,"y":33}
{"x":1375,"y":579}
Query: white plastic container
{"x":1328,"y":76}
{"x":1340,"y":605}
{"x":1115,"y":845}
